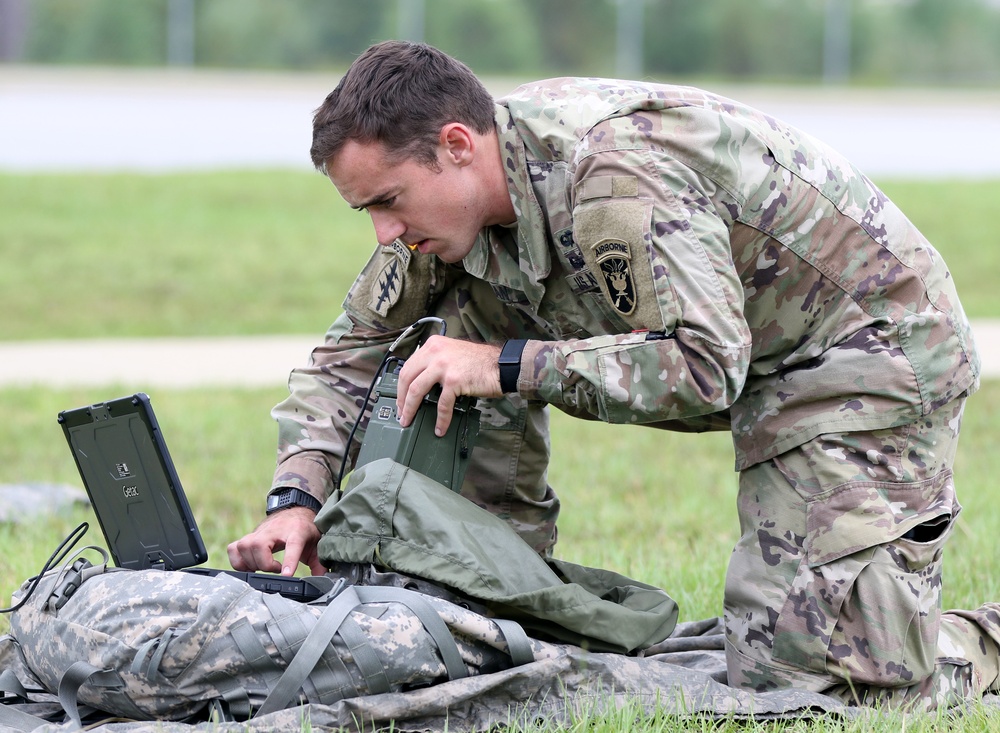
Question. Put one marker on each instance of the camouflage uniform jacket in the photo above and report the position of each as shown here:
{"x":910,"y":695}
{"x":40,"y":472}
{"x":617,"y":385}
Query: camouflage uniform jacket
{"x":682,"y":260}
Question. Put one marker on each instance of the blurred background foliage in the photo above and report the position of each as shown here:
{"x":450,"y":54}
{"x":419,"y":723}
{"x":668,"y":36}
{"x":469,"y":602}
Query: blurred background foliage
{"x":875,"y":42}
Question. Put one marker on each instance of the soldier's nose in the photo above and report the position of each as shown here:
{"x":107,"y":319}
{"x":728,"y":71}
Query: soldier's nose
{"x":387,"y":229}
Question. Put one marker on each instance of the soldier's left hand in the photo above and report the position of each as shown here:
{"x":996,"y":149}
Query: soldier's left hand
{"x":460,"y":367}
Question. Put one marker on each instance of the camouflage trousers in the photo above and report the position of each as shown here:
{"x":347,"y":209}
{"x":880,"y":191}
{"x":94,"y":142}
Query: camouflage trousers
{"x":835,"y":584}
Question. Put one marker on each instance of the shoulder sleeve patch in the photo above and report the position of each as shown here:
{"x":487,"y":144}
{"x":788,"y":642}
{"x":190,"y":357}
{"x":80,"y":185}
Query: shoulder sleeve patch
{"x":387,"y":286}
{"x":612,"y":235}
{"x":394,"y":288}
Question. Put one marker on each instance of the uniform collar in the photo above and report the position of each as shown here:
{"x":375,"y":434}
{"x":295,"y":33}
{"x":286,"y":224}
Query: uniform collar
{"x":489,"y":259}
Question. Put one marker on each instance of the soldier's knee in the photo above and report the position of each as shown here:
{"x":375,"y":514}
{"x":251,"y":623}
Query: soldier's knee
{"x":857,"y":598}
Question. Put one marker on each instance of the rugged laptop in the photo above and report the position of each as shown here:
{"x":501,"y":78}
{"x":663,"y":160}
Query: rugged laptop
{"x":138,"y":499}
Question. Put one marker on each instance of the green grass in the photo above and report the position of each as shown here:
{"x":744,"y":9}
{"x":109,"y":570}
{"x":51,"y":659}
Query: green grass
{"x":218,"y":253}
{"x":274,"y":252}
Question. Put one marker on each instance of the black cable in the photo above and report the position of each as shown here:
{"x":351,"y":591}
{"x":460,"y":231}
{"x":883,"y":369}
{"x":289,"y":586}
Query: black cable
{"x":54,"y":559}
{"x":361,"y":415}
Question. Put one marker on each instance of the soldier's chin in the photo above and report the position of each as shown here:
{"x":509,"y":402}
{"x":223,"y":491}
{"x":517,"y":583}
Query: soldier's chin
{"x":448,"y":256}
{"x":452,"y":253}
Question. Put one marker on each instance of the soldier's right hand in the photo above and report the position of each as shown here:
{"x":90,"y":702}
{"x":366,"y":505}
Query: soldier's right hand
{"x":460,"y":367}
{"x":292,"y":530}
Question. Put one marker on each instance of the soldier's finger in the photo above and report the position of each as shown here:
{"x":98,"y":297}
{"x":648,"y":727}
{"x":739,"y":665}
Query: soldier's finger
{"x":407,"y":404}
{"x":403,"y":390}
{"x":293,"y":551}
{"x":445,"y":409}
{"x":264,"y":560}
{"x":251,"y":553}
{"x":316,"y":567}
{"x":235,"y":558}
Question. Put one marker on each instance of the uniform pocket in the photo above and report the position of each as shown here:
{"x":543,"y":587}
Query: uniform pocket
{"x":866,"y":602}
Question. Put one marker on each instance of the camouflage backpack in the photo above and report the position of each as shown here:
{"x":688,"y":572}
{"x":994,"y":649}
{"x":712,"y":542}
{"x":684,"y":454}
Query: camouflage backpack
{"x":151,"y":645}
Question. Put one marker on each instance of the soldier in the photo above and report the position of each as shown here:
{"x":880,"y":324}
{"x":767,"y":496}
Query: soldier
{"x":658,"y":255}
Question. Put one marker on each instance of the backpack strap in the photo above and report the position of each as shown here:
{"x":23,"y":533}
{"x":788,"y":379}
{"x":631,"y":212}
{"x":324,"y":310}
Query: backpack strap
{"x":74,"y":678}
{"x":364,"y":657}
{"x":12,"y":691}
{"x":330,"y":679}
{"x":518,"y":644}
{"x":310,"y":652}
{"x":336,"y":620}
{"x":433,"y":624}
{"x":232,"y":705}
{"x":14,"y":719}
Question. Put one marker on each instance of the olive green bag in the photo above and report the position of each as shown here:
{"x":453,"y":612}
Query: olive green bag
{"x":395,"y":518}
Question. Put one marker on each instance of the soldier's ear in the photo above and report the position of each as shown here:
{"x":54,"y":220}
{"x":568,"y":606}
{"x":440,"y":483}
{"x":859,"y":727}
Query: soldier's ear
{"x":458,"y":144}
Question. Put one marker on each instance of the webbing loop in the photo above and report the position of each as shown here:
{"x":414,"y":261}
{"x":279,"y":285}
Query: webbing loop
{"x":518,"y":643}
{"x":11,"y":685}
{"x":364,"y":656}
{"x":148,"y":657}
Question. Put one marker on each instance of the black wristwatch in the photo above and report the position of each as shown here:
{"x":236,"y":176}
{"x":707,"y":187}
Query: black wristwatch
{"x":510,"y":364}
{"x":286,"y":498}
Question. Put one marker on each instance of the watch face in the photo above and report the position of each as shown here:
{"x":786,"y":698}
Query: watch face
{"x":290,"y":498}
{"x":276,"y":501}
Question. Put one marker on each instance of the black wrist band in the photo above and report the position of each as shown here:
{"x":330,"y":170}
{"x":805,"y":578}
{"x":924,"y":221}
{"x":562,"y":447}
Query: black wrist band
{"x":510,"y":364}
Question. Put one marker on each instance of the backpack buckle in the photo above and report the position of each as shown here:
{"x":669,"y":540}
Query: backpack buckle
{"x":68,"y":585}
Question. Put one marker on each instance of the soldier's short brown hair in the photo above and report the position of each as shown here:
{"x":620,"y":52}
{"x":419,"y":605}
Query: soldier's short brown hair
{"x":400,"y":94}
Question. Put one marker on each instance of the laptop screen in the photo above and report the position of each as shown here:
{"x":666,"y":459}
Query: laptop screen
{"x":132,"y":484}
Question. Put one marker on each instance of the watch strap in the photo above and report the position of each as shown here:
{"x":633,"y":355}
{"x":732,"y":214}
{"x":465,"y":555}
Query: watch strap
{"x":510,"y":364}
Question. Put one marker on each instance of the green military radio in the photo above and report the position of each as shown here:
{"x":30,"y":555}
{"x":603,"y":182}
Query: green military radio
{"x":444,"y":458}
